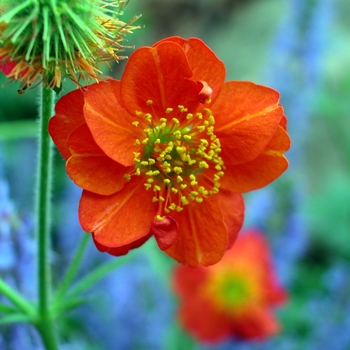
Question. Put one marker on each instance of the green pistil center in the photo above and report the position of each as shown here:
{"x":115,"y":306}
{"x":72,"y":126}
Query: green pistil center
{"x":175,"y":157}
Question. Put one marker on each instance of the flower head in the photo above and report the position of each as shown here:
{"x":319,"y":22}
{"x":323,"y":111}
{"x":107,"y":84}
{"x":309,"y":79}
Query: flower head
{"x":168,"y":150}
{"x":56,"y":39}
{"x":233,"y":298}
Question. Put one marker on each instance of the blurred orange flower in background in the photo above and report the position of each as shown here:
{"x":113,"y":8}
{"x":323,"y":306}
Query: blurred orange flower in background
{"x":235,"y":297}
{"x":168,"y":150}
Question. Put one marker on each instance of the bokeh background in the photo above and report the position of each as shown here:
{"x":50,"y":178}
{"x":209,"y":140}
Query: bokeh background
{"x":302,"y":49}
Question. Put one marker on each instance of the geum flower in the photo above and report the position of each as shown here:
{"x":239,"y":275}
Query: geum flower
{"x":168,"y":150}
{"x":233,"y":299}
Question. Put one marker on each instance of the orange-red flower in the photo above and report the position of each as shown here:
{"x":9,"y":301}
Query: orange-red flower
{"x":167,"y":150}
{"x":235,"y":297}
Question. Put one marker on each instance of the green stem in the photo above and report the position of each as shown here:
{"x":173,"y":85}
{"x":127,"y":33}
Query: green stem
{"x":44,"y":322}
{"x":73,"y":268}
{"x":16,"y":299}
{"x":98,"y":274}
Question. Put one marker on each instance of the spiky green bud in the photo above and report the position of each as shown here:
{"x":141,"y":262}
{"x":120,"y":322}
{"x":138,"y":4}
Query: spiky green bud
{"x":60,"y":38}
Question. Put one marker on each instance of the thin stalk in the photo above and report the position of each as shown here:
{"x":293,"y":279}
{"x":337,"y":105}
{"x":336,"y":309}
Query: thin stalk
{"x":16,"y":299}
{"x":45,"y":323}
{"x":73,"y":268}
{"x":98,"y":274}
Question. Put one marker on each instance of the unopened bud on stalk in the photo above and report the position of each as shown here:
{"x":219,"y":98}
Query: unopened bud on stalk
{"x":46,"y":40}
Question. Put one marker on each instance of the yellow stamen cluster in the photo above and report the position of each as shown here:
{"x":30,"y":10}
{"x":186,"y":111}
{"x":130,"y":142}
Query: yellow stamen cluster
{"x":177,"y":152}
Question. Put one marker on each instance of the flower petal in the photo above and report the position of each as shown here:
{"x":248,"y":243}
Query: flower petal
{"x":159,"y":74}
{"x":201,"y":318}
{"x":123,"y":250}
{"x":188,"y":281}
{"x":90,"y":168}
{"x":165,"y":232}
{"x":203,"y":234}
{"x":205,"y":65}
{"x":69,"y":116}
{"x":232,"y":209}
{"x":121,"y":218}
{"x":257,"y":322}
{"x":246,"y":118}
{"x":109,"y":123}
{"x":262,"y":170}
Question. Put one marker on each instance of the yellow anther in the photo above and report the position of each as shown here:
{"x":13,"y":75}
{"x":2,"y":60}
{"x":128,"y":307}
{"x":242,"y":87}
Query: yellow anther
{"x":184,"y":200}
{"x":162,"y":199}
{"x":167,"y":181}
{"x":135,"y":123}
{"x":138,"y":171}
{"x":179,"y":178}
{"x":177,"y":170}
{"x":175,"y":190}
{"x":151,"y":161}
{"x":145,"y":141}
{"x":167,"y":210}
{"x":163,"y":120}
{"x":210,"y":130}
{"x":162,"y":126}
{"x":136,"y":156}
{"x":192,"y":177}
{"x":156,"y":188}
{"x":199,"y":199}
{"x":180,"y":149}
{"x":168,"y":110}
{"x":148,"y":117}
{"x":149,"y":102}
{"x":183,"y":186}
{"x":175,"y":121}
{"x":178,"y":208}
{"x":203,"y":165}
{"x":157,"y":142}
{"x":199,"y":115}
{"x":154,"y":199}
{"x":189,"y":116}
{"x":149,"y":173}
{"x":218,"y":167}
{"x":144,"y":163}
{"x":159,"y":218}
{"x":127,"y":177}
{"x":177,"y":134}
{"x":194,"y":193}
{"x":194,"y":183}
{"x":187,"y":137}
{"x":168,"y":156}
{"x":165,"y":165}
{"x":211,"y":120}
{"x":201,"y":128}
{"x":150,"y":180}
{"x":137,"y":142}
{"x":138,"y":113}
{"x":182,"y":108}
{"x":172,"y":206}
{"x":147,"y":130}
{"x":148,"y":186}
{"x":221,"y":173}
